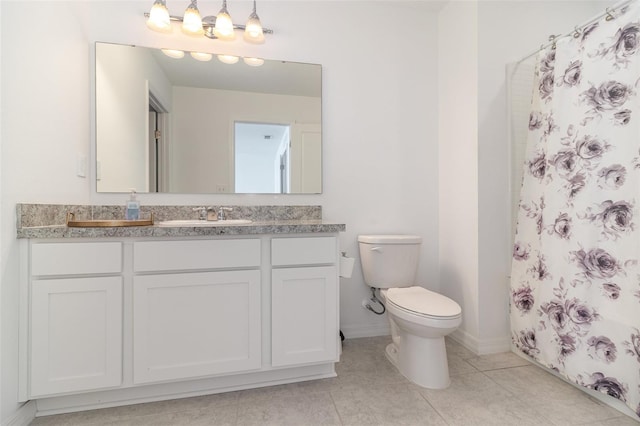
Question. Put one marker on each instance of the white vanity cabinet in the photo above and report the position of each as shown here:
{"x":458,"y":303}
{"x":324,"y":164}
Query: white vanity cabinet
{"x":120,"y":320}
{"x":75,"y":317}
{"x":304,"y":300}
{"x":195,"y":324}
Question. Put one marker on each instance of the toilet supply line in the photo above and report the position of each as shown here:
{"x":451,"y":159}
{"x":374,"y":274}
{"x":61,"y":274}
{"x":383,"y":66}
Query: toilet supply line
{"x":374,"y":299}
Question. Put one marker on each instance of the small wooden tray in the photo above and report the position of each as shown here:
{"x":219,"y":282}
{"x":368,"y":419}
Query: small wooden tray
{"x":97,"y":223}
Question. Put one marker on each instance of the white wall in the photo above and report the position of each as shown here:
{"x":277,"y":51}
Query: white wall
{"x":124,"y":78}
{"x":45,"y":124}
{"x":202,"y":131}
{"x":458,"y":160}
{"x":379,"y":111}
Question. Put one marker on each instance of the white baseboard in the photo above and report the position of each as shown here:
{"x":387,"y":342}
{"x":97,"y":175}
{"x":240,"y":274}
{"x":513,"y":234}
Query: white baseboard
{"x":180,"y":389}
{"x":23,"y":416}
{"x":355,"y":331}
{"x":484,"y":346}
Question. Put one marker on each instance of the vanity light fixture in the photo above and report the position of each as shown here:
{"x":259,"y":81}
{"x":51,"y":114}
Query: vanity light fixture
{"x":214,"y":27}
{"x":173,"y":53}
{"x":228,"y":59}
{"x":253,"y":62}
{"x":202,"y":57}
{"x":159,"y":19}
{"x":223,"y":28}
{"x":253,"y":32}
{"x":205,"y":57}
{"x":191,"y":22}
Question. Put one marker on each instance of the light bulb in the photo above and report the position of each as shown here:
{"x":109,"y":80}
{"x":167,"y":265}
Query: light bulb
{"x":191,"y":22}
{"x":159,"y":19}
{"x":253,"y":62}
{"x":173,"y":53}
{"x":253,"y":30}
{"x":228,"y":59}
{"x":224,"y":26}
{"x":203,"y":57}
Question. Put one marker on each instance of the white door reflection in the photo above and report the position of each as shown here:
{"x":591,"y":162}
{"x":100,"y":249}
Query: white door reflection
{"x":261,"y":157}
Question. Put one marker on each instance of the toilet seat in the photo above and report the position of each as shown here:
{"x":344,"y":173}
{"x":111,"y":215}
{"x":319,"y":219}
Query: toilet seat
{"x":423,"y":303}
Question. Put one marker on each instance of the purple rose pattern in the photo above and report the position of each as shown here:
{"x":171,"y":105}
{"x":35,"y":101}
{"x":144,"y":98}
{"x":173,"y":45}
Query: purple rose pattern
{"x":521,"y":251}
{"x":572,"y":74}
{"x":562,"y":227}
{"x":633,"y":345}
{"x":601,"y":347}
{"x":614,"y":219}
{"x":596,"y":263}
{"x":612,"y":177}
{"x":522,"y":299}
{"x":575,"y":292}
{"x":611,"y":290}
{"x":607,"y":385}
{"x":526,"y":342}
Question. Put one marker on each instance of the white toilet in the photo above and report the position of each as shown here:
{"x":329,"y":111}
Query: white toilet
{"x":419,"y":318}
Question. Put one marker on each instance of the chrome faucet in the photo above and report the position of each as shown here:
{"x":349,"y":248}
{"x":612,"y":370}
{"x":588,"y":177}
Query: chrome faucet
{"x":202,"y":212}
{"x":221,"y":212}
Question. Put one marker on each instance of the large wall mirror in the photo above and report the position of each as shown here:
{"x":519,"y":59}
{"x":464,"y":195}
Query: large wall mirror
{"x":184,"y":125}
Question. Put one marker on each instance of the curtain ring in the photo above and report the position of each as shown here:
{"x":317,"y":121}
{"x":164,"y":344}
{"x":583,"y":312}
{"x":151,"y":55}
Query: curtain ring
{"x":609,"y":15}
{"x":576,"y":33}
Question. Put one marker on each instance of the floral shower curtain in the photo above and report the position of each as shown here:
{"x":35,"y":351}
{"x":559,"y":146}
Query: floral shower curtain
{"x":575,"y":282}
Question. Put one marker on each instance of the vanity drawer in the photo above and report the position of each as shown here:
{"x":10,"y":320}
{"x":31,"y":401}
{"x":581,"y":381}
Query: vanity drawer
{"x":199,"y":254}
{"x":76,"y":258}
{"x":303,"y":251}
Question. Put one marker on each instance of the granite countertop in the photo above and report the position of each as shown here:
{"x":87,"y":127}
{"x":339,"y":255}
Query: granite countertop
{"x":270,"y":227}
{"x":48,"y":221}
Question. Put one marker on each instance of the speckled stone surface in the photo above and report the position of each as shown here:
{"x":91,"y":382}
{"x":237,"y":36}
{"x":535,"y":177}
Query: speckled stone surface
{"x":48,"y":221}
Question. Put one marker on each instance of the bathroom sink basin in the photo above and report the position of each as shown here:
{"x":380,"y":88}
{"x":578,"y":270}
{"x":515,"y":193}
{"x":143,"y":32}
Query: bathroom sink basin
{"x":195,"y":222}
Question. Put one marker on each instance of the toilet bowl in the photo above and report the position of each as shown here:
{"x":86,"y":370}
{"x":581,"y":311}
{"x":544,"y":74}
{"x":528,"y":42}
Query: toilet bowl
{"x":419,"y":318}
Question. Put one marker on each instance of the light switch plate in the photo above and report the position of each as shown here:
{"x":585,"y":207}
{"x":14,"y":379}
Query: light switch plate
{"x":81,"y":165}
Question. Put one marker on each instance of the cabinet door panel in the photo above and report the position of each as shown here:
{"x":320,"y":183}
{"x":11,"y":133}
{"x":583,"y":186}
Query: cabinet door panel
{"x":196,"y":324}
{"x":76,"y":335}
{"x":304,"y":316}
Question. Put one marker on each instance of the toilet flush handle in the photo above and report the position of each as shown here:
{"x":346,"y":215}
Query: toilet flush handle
{"x":377,"y":248}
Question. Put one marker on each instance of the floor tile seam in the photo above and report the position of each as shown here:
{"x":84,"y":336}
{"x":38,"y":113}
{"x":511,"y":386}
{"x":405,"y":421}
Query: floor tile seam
{"x":516,"y":397}
{"x":476,"y":369}
{"x":335,"y":407}
{"x":539,"y":404}
{"x":622,"y":417}
{"x":426,"y":398}
{"x":130,"y":416}
{"x":501,"y":368}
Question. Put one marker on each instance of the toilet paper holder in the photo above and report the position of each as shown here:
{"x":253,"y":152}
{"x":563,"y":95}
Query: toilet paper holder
{"x":346,"y":265}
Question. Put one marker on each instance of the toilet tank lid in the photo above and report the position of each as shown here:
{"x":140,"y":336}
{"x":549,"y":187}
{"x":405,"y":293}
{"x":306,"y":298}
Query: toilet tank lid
{"x":390,"y":239}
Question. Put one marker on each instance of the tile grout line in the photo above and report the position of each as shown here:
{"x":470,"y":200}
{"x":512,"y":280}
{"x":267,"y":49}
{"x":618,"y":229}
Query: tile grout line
{"x":514,"y":395}
{"x":434,"y":408}
{"x":335,"y":407}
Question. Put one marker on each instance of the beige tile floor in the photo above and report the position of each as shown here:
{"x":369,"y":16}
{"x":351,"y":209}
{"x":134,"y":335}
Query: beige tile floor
{"x":501,"y":389}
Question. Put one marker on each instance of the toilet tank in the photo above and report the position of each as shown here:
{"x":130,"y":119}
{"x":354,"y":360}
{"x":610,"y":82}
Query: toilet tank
{"x":389,"y":260}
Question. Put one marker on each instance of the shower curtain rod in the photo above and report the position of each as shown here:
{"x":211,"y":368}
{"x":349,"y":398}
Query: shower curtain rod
{"x":609,"y":12}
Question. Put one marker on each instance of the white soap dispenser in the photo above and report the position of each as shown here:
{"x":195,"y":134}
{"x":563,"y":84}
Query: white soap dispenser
{"x":132,"y":208}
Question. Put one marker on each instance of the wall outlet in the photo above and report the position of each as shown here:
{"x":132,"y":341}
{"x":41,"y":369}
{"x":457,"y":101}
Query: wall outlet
{"x":221,"y":188}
